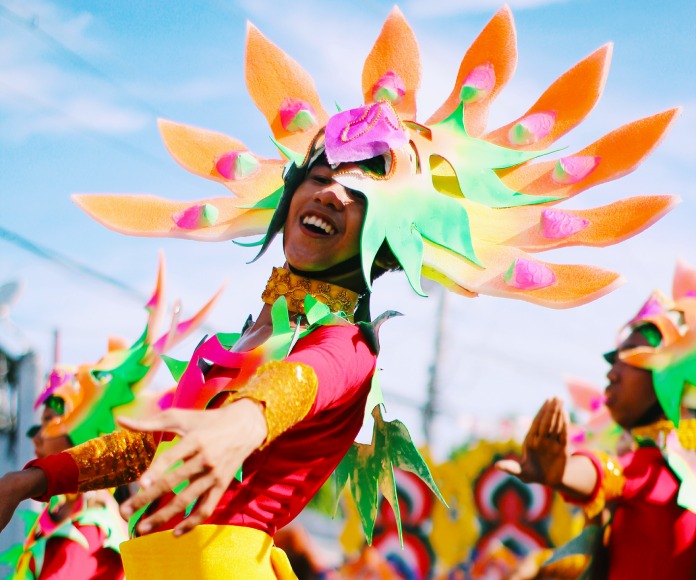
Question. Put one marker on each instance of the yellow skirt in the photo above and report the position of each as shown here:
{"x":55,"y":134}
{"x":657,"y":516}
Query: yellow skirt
{"x":206,"y":552}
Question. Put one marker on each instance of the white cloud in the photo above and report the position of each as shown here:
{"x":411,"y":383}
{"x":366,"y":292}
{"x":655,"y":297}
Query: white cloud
{"x":41,"y":96}
{"x":83,"y":112}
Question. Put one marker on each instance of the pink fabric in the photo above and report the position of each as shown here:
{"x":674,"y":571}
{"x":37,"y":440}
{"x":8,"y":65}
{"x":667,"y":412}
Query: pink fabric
{"x":651,"y":536}
{"x":68,"y":560}
{"x":280,"y":480}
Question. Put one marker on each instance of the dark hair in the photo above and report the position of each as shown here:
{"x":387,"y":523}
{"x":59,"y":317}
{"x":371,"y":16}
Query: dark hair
{"x":385,"y":261}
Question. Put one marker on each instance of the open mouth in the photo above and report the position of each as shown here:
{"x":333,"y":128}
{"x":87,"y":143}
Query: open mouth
{"x":318,"y":225}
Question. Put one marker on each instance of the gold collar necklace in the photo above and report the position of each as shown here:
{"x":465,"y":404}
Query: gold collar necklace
{"x":686,"y":431}
{"x":295,"y":288}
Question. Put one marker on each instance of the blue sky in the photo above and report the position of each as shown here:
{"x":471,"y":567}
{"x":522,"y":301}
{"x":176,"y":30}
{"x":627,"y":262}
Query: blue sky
{"x":81,"y":85}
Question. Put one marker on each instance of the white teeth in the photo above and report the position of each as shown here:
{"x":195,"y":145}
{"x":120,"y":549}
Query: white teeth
{"x":319,"y":223}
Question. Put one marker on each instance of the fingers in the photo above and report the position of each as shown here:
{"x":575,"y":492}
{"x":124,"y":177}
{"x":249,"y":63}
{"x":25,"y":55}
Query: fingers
{"x":155,"y":484}
{"x":546,"y":418}
{"x":565,"y":429}
{"x":509,"y":466}
{"x":177,"y":505}
{"x":202,"y":511}
{"x":172,"y":421}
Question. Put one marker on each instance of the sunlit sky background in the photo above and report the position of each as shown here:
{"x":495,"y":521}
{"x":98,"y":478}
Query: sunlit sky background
{"x":81,"y":86}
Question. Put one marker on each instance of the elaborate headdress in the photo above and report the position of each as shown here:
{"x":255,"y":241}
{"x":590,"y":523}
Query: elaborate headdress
{"x":672,"y":358}
{"x":93,"y":394}
{"x":460,"y":204}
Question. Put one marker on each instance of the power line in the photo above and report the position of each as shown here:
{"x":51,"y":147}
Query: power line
{"x":114,"y":142}
{"x":75,"y":266}
{"x":68,"y":263}
{"x":31,"y":23}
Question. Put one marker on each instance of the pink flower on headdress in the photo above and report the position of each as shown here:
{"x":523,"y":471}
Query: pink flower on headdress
{"x":362,"y":133}
{"x":657,"y":304}
{"x":56,"y":379}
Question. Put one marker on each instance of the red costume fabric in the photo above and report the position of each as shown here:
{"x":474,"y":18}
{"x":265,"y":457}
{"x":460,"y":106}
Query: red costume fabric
{"x":280,"y":479}
{"x":67,"y":560}
{"x":651,"y":536}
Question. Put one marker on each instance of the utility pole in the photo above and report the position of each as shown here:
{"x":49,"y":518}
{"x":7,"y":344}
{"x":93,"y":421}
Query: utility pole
{"x":431,"y":403}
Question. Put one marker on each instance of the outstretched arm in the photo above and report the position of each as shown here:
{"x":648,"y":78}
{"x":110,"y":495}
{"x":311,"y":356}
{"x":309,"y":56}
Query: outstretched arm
{"x":214,"y":443}
{"x":99,"y":463}
{"x":546,"y":457}
{"x":16,"y":487}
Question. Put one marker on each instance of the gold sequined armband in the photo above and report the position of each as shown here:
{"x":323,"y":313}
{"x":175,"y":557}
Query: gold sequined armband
{"x":112,"y":460}
{"x":612,"y":486}
{"x":286,"y":390}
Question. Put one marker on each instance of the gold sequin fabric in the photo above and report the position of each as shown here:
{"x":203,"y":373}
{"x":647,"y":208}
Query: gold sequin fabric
{"x":287,"y":391}
{"x":295,"y":288}
{"x":659,"y":430}
{"x":612,"y":484}
{"x":112,"y":460}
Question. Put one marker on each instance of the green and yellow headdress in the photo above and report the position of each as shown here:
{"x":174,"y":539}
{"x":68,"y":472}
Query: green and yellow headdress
{"x":92,"y":395}
{"x":672,"y":354}
{"x":460,"y":204}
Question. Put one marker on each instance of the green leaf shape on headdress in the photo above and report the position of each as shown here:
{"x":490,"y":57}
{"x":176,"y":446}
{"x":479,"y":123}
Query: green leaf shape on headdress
{"x":370,"y":469}
{"x":474,"y":161}
{"x":401,"y":211}
{"x":115,"y":380}
{"x":669,"y":383}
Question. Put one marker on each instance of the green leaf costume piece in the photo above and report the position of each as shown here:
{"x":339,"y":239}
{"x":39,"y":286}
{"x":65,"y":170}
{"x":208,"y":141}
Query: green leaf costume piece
{"x":370,"y":469}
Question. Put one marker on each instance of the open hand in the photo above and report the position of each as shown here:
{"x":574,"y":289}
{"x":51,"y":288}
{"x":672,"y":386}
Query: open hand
{"x":545,"y":451}
{"x":213,"y":446}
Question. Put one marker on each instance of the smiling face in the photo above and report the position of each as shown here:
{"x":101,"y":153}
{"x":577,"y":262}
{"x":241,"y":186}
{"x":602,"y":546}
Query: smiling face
{"x":630,"y":393}
{"x":324,"y":222}
{"x":44,"y":446}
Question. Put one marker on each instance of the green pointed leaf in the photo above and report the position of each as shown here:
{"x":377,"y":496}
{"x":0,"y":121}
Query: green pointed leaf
{"x":269,"y":202}
{"x":474,"y":161}
{"x":669,"y":382}
{"x":29,"y":518}
{"x":280,"y":317}
{"x":38,"y":551}
{"x":375,"y":397}
{"x":583,"y":544}
{"x":260,"y":242}
{"x":370,"y":469}
{"x":296,"y":158}
{"x":70,"y":532}
{"x":227,"y":339}
{"x":108,"y":522}
{"x":10,"y":556}
{"x":175,"y":367}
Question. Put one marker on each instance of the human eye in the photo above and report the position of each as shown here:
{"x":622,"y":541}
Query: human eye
{"x":357,"y":196}
{"x":321,"y":179}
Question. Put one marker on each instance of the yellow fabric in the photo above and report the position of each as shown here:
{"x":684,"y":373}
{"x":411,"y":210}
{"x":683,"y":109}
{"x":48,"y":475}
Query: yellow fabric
{"x":612,"y":484}
{"x":287,"y":391}
{"x":206,"y":553}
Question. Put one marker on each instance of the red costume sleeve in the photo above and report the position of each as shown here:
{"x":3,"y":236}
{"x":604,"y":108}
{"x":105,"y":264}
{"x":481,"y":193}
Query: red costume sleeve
{"x":108,"y":461}
{"x":341,"y":360}
{"x":61,"y":472}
